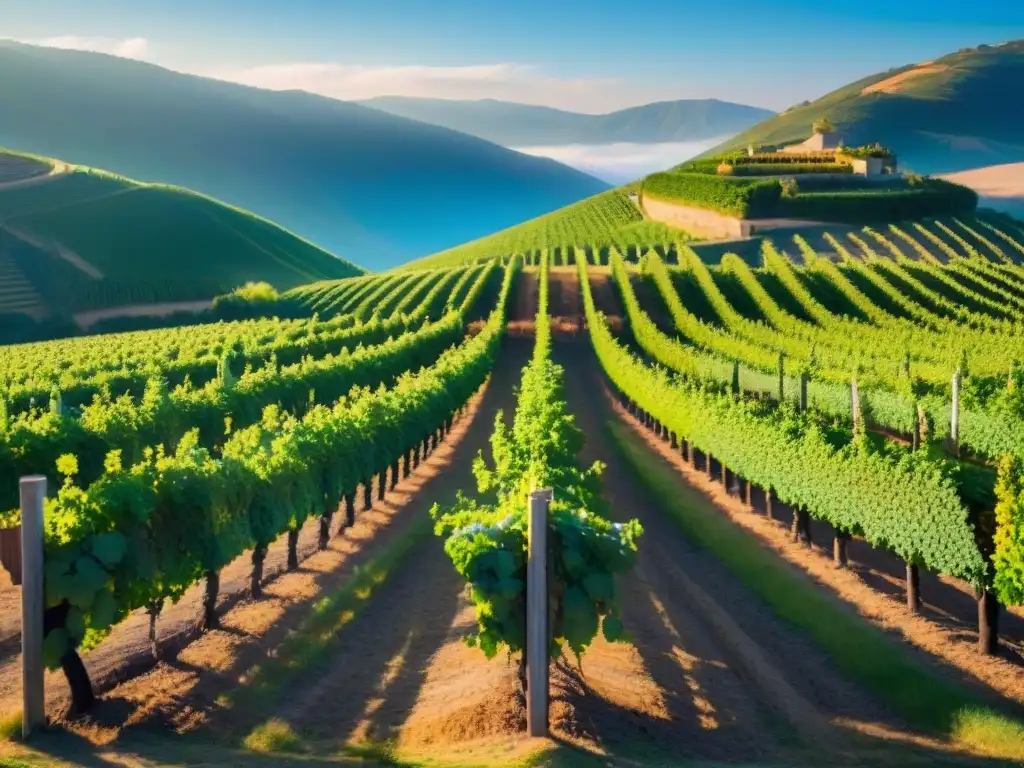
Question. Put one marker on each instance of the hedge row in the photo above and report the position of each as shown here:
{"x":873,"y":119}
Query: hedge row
{"x":789,"y":169}
{"x":757,"y":198}
{"x":935,"y":197}
{"x":731,"y":196}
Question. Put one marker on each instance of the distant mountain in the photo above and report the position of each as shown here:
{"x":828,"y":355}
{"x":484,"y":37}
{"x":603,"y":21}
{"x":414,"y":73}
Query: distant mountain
{"x":76,"y":240}
{"x":523,"y":125}
{"x":951,"y":114}
{"x":369,"y":186}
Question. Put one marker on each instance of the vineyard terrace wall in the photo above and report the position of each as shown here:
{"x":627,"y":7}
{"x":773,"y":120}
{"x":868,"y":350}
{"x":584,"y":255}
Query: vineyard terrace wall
{"x":710,"y":224}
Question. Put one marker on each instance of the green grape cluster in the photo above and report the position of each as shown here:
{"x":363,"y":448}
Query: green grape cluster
{"x":488,"y":541}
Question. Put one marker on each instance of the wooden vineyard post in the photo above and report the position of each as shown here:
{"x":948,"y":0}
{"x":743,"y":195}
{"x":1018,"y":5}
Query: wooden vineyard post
{"x":954,"y":416}
{"x":32,"y":491}
{"x":736,"y":378}
{"x":913,"y":588}
{"x":803,"y":391}
{"x":538,"y":643}
{"x":988,"y":622}
{"x":839,"y":548}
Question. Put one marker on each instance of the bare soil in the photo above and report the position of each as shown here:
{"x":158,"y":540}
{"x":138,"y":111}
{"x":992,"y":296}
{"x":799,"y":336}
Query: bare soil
{"x":897,"y":83}
{"x":732,"y":681}
{"x":126,"y":653}
{"x":91,"y":317}
{"x":58,"y":250}
{"x":712,"y":674}
{"x":943,"y":632}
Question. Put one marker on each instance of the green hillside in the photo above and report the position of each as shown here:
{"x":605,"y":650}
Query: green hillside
{"x":954,"y":113}
{"x":521,"y":125}
{"x":602,"y":221}
{"x":371,"y":186}
{"x":83,"y":240}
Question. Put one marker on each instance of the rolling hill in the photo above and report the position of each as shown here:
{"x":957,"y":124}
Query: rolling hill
{"x":76,"y":239}
{"x":951,"y":114}
{"x":999,"y":186}
{"x":610,"y":219}
{"x":523,"y":125}
{"x":369,"y":186}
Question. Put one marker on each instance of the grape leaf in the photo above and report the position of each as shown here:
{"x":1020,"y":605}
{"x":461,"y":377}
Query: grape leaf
{"x":109,"y":548}
{"x":55,"y":645}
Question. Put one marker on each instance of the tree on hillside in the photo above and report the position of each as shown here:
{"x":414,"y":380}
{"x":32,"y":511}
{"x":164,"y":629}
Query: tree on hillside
{"x":822,"y":125}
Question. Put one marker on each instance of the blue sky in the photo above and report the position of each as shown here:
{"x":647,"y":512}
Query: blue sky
{"x":592,"y":56}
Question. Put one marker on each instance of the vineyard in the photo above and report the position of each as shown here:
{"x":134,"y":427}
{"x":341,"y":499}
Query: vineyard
{"x":596,"y":224}
{"x":87,"y":240}
{"x":785,"y":488}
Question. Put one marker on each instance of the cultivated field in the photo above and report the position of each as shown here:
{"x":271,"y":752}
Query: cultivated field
{"x":85,"y":240}
{"x":787,"y":527}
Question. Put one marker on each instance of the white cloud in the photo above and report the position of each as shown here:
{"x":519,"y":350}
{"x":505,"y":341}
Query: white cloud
{"x":508,"y":81}
{"x":129,"y":47}
{"x":622,"y":162}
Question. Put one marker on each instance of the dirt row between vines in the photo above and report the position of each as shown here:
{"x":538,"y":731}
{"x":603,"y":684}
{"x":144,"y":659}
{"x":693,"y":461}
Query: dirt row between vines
{"x":126,"y":653}
{"x":941,"y":640}
{"x":712,"y":673}
{"x":949,"y":606}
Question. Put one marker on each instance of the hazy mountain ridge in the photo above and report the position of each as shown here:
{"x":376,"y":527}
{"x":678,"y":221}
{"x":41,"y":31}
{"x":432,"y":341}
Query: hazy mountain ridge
{"x":372,"y":187}
{"x":522,"y":125}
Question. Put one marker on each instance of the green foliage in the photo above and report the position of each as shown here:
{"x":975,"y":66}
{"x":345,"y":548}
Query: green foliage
{"x":895,"y":498}
{"x":743,"y":194}
{"x":162,"y":416}
{"x":732,"y":196}
{"x":144,"y":531}
{"x":607,"y":220}
{"x":935,"y":197}
{"x":788,"y":169}
{"x":488,"y":542}
{"x":1009,"y":534}
{"x":142,"y":243}
{"x":823,"y":125}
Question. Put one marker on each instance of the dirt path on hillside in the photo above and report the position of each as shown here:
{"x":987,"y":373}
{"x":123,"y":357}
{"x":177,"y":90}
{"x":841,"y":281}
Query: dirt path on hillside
{"x":56,"y":249}
{"x":126,"y":652}
{"x":57,"y":171}
{"x":91,"y":317}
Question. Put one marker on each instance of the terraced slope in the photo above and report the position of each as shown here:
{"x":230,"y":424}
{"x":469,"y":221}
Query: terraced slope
{"x":595,"y":224}
{"x":16,"y":168}
{"x":87,"y":240}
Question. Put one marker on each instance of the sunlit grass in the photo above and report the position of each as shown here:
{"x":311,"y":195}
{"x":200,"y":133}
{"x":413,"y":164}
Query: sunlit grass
{"x":275,"y":735}
{"x":10,"y":727}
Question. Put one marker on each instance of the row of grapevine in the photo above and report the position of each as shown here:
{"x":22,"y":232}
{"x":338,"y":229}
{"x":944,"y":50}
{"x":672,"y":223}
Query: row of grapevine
{"x":32,"y":443}
{"x":488,"y":540}
{"x":143,"y":532}
{"x":991,"y":419}
{"x":607,"y":220}
{"x":917,"y":504}
{"x":79,"y":369}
